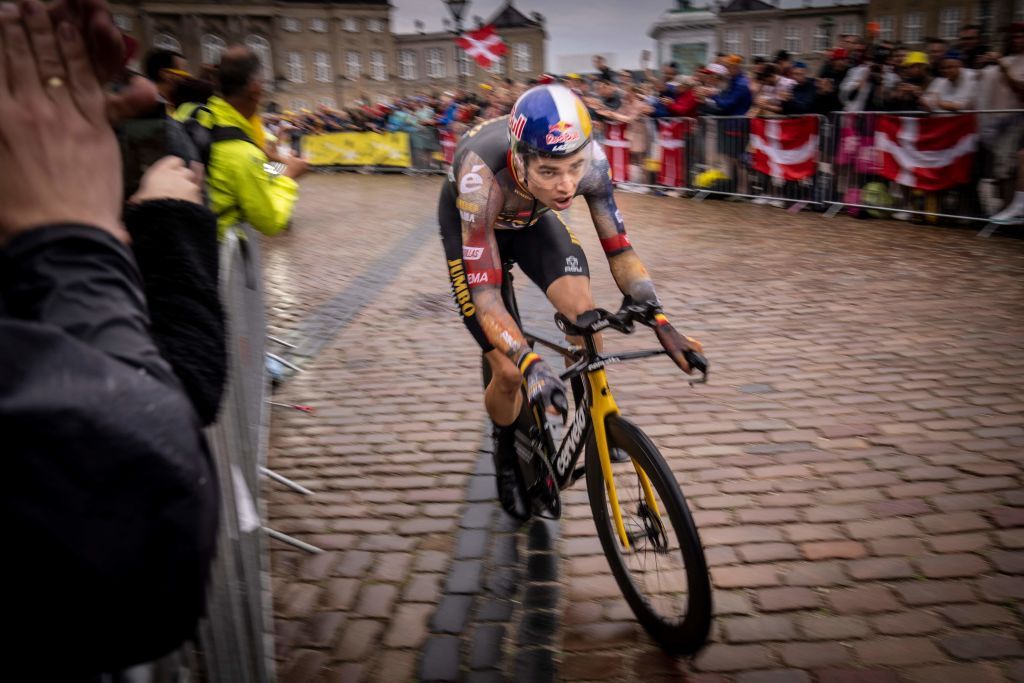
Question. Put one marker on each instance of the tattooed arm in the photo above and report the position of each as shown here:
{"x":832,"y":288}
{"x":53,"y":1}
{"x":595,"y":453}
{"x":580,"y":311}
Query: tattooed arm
{"x":629,"y":273}
{"x":479,"y":201}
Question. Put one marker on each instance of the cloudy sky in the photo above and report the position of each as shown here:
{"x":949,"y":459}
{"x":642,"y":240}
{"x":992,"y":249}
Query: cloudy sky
{"x":586,"y":27}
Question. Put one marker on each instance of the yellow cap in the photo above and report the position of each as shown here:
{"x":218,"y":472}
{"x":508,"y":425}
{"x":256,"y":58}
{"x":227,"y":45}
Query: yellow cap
{"x":915,"y":58}
{"x":574,"y":77}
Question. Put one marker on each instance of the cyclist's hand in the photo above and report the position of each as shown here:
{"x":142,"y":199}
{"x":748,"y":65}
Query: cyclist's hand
{"x":543,"y":386}
{"x":674,"y":343}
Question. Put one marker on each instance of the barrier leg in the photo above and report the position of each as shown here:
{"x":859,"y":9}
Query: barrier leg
{"x":281,"y":479}
{"x":285,"y":538}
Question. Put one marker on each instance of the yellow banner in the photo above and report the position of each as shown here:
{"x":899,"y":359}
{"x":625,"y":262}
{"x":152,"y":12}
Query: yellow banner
{"x":357,"y":149}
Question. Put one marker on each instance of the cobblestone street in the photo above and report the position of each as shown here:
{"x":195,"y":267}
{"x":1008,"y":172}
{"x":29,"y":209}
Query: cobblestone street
{"x":855,"y":465}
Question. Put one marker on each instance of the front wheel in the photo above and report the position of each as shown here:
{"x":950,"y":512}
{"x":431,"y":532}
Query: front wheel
{"x":662,"y":574}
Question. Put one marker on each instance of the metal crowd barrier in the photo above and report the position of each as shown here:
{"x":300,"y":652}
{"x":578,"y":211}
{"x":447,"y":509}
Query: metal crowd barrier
{"x":236,"y":637}
{"x":924,"y":164}
{"x":236,"y":641}
{"x":651,"y":154}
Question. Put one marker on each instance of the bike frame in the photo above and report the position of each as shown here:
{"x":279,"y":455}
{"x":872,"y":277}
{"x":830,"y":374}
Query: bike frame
{"x":601,"y":404}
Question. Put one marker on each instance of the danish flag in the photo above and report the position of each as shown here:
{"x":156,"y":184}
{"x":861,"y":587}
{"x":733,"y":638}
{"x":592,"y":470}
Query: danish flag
{"x":786,"y":149}
{"x":484,"y":45}
{"x":934,"y":153}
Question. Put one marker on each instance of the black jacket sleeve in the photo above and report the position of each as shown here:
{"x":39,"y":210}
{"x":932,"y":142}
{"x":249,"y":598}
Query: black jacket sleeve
{"x":175,"y":244}
{"x":110,"y":496}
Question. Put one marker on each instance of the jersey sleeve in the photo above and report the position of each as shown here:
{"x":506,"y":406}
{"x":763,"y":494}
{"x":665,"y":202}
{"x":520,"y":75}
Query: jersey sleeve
{"x":479,"y":199}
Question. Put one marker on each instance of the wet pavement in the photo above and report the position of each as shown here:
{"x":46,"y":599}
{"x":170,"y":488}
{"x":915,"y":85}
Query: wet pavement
{"x":855,"y":465}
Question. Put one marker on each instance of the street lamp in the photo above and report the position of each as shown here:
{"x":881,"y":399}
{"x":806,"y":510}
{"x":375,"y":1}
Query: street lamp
{"x":458,"y":9}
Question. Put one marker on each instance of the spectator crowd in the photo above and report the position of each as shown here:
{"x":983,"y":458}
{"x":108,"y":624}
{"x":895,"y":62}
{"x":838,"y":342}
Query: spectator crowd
{"x":861,"y":74}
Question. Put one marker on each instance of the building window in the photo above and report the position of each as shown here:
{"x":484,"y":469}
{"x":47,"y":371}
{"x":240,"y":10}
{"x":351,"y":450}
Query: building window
{"x":885,"y":28}
{"x":350,"y":24}
{"x":464,"y":62}
{"x":791,"y":41}
{"x":759,"y":43}
{"x":211,"y":48}
{"x":435,"y":63}
{"x":949,"y":22}
{"x":318,"y":25}
{"x":290,"y":24}
{"x":498,"y":66}
{"x":298,"y":105}
{"x":123,"y":22}
{"x":378,"y":68}
{"x":521,"y":57}
{"x":849,"y":27}
{"x":321,"y":66}
{"x":732,"y":42}
{"x":326,"y":102}
{"x":375,"y":25}
{"x":407,"y":65}
{"x":912,"y":27}
{"x":353,"y":64}
{"x":165,"y":41}
{"x":261,"y":47}
{"x":820,"y":42}
{"x":295,"y":70}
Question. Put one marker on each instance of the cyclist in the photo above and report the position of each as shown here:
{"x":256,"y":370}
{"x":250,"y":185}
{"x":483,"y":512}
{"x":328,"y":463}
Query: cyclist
{"x":509,"y":178}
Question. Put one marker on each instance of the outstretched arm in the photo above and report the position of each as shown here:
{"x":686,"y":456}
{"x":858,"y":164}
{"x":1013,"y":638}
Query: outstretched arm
{"x":479,"y":199}
{"x":629,"y":273}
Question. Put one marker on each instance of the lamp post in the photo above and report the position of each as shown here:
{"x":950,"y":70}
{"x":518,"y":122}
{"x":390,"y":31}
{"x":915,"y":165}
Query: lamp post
{"x":458,"y":9}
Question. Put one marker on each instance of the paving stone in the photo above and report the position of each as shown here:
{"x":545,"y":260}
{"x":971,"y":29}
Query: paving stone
{"x":784,"y":599}
{"x":472,"y":544}
{"x":485,"y":651}
{"x":493,"y":609}
{"x":874,"y":568}
{"x":813,"y":655}
{"x":898,"y":651}
{"x":464,"y":577}
{"x":860,"y":676}
{"x":721,"y":657}
{"x":976,"y":673}
{"x":758,"y":629}
{"x":934,"y":592}
{"x":537,"y":627}
{"x":408,"y":627}
{"x":359,"y":636}
{"x":591,"y":667}
{"x":440,"y":660}
{"x":977,"y":615}
{"x":376,"y":600}
{"x":478,"y":515}
{"x":863,"y":600}
{"x":535,"y":665}
{"x":831,"y":627}
{"x":505,"y":551}
{"x":503,"y":582}
{"x":452,"y":614}
{"x":907,"y":623}
{"x":981,"y":646}
{"x":774,"y":676}
{"x":542,"y":567}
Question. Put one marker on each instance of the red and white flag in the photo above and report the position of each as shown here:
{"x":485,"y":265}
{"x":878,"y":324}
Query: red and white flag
{"x":785,"y":148}
{"x":616,"y":148}
{"x":934,"y":153}
{"x":484,"y":45}
{"x":672,"y":145}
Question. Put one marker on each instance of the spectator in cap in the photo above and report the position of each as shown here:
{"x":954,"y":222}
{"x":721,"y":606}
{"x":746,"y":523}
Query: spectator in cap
{"x":802,"y":96}
{"x":831,"y":75}
{"x":906,"y":95}
{"x":956,"y":89}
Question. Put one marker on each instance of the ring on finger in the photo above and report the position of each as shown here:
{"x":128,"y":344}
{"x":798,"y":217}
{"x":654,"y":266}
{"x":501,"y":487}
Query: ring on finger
{"x":55,"y":82}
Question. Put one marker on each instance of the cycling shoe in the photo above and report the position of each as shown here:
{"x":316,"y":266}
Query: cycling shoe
{"x":507,"y":476}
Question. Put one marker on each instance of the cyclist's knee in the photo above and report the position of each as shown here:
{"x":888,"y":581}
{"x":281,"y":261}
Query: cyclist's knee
{"x":508,"y":379}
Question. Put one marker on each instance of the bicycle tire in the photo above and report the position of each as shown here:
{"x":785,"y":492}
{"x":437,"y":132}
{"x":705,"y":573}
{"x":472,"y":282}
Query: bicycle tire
{"x":688,"y":635}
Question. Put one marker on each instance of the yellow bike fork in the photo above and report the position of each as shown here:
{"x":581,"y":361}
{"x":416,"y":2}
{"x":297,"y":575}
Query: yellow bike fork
{"x":603,"y":405}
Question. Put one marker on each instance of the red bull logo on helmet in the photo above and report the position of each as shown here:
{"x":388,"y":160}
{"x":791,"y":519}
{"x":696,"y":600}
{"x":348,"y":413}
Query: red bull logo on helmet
{"x":562,"y":133}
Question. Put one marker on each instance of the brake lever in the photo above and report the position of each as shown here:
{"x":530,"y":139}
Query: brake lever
{"x":698,"y":362}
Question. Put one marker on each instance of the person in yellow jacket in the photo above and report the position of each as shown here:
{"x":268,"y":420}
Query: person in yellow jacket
{"x":240,"y":189}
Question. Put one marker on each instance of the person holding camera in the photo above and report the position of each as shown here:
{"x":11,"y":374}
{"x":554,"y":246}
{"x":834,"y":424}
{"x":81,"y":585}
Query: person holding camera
{"x":865,"y":85}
